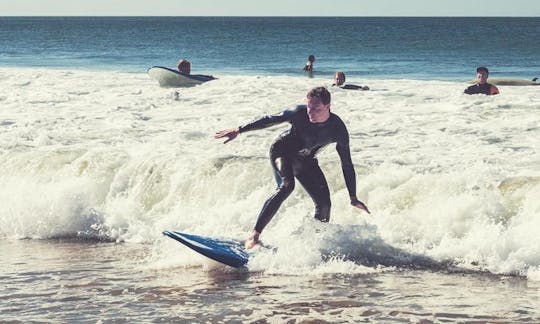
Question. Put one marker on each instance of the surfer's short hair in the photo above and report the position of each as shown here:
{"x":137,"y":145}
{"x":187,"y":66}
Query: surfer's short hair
{"x":482,"y":69}
{"x":321,"y":93}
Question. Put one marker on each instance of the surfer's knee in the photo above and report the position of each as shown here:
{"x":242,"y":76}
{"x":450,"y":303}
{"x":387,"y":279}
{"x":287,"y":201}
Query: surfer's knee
{"x":286,"y":187}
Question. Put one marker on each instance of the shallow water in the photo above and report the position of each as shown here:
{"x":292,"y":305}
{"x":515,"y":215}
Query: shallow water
{"x":65,"y":280}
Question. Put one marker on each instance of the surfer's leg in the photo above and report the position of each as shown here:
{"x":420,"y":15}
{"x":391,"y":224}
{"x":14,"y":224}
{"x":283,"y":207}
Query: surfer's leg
{"x":277,"y":175}
{"x":282,"y":167}
{"x":312,"y":179}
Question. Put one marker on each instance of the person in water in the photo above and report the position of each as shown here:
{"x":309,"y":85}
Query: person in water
{"x":184,"y":66}
{"x":339,"y":81}
{"x":292,"y":155}
{"x":309,"y":64}
{"x":482,"y":86}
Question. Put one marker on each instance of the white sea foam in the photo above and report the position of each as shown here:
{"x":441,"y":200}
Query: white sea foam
{"x":448,"y":177}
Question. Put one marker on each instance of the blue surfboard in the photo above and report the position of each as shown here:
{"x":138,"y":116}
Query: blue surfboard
{"x":229,"y":252}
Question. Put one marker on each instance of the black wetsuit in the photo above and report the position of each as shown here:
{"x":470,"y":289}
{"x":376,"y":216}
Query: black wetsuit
{"x":351,"y":87}
{"x":293,"y":155}
{"x":479,"y":88}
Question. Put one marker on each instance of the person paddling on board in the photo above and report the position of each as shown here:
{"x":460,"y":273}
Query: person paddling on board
{"x":292,"y":155}
{"x":482,"y":86}
{"x":184,"y":67}
{"x":339,"y":80}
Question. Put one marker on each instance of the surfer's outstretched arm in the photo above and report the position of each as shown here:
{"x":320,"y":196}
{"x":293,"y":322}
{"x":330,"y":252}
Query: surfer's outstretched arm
{"x":260,"y":123}
{"x":230,"y":133}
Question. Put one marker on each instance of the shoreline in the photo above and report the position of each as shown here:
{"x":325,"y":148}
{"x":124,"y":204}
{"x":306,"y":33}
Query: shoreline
{"x":327,"y":76}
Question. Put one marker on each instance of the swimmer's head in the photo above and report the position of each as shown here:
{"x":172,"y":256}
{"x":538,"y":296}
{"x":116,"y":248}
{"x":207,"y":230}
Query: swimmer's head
{"x":184,"y":66}
{"x":339,"y":78}
{"x":482,"y":74}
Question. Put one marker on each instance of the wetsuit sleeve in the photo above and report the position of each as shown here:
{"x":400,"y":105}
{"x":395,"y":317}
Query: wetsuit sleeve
{"x":351,"y":87}
{"x":269,"y":120}
{"x":347,"y":166}
{"x":470,"y":90}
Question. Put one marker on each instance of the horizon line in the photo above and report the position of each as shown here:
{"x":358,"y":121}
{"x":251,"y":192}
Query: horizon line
{"x":268,"y":16}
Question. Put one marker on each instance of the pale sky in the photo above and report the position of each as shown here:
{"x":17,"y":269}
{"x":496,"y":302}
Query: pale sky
{"x":270,"y":8}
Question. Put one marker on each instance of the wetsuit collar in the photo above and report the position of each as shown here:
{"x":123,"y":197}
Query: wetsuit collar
{"x":321,"y":124}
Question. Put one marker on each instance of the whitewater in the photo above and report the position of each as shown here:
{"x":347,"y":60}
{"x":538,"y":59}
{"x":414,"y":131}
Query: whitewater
{"x":105,"y":161}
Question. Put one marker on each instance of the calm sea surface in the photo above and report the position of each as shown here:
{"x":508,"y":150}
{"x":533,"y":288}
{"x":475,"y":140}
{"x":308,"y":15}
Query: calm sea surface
{"x":422,"y":48}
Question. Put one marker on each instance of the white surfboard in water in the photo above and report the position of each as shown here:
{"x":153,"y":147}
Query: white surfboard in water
{"x":170,"y":78}
{"x":510,"y":82}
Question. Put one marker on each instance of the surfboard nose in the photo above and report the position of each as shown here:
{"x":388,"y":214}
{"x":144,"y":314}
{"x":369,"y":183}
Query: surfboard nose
{"x":229,"y":252}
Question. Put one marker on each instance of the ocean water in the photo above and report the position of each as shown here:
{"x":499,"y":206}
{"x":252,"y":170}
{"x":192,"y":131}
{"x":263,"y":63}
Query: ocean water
{"x":421,"y":48}
{"x":96,"y":160}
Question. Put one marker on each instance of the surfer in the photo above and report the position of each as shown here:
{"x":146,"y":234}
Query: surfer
{"x":309,"y":64}
{"x":339,"y":80}
{"x":482,"y":86}
{"x":184,"y":66}
{"x":292,"y":155}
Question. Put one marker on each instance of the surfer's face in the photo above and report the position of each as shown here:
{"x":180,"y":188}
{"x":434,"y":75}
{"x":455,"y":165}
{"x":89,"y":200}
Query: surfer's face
{"x":317,"y":111}
{"x":339,"y":79}
{"x":482,"y":77}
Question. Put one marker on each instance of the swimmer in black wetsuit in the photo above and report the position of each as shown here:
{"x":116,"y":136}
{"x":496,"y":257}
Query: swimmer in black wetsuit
{"x":309,"y":64}
{"x":339,"y":80}
{"x":482,"y":87}
{"x":292,"y":155}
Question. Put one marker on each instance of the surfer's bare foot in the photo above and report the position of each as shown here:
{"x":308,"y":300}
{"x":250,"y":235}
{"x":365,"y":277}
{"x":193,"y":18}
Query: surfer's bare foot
{"x":252,"y":240}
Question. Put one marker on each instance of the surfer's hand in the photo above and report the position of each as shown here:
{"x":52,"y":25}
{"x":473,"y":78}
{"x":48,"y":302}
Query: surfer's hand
{"x":358,"y":204}
{"x":229,"y":133}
